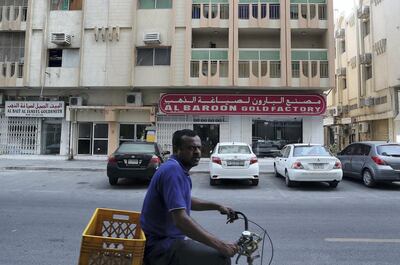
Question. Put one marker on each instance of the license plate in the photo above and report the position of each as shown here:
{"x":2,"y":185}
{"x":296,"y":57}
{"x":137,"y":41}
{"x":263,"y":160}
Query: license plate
{"x":319,"y":166}
{"x":132,"y":162}
{"x":235,"y":163}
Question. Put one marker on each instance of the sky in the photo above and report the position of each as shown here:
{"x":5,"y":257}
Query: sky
{"x":343,"y":6}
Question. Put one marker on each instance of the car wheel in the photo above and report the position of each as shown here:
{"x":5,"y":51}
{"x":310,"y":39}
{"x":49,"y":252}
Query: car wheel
{"x":254,"y":182}
{"x":213,"y":182}
{"x":276,"y":172}
{"x":113,"y":181}
{"x":368,"y":179}
{"x":333,"y":184}
{"x":288,"y":182}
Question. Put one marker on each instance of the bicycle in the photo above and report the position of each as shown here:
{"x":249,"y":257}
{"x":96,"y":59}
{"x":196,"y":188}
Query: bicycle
{"x":249,"y":241}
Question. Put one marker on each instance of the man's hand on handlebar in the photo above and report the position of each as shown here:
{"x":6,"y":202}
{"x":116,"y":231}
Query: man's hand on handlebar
{"x":231,"y":214}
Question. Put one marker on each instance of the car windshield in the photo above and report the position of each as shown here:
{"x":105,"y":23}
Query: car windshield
{"x":234,"y":149}
{"x":312,"y":150}
{"x":142,"y":148}
{"x":389,"y":150}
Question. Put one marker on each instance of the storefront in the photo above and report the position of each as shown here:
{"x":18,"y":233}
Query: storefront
{"x":33,"y":128}
{"x":279,"y":119}
{"x":99,"y":130}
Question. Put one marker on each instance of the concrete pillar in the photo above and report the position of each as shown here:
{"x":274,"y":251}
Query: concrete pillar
{"x":313,"y":130}
{"x":113,"y":137}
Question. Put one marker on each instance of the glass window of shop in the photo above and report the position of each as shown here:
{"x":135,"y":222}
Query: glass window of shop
{"x":92,"y":138}
{"x":132,"y":132}
{"x":270,"y":136}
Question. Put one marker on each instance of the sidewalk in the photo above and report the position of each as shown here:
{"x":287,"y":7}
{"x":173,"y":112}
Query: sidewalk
{"x":88,"y":163}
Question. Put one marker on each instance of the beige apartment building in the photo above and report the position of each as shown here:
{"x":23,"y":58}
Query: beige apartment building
{"x":365,"y":103}
{"x":81,"y":76}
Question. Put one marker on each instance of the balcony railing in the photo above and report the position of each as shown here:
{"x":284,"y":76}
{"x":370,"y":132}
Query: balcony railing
{"x":12,"y":16}
{"x":310,"y":67}
{"x":259,"y":67}
{"x":209,"y":67}
{"x":255,"y":13}
{"x":308,"y":13}
{"x":206,"y":13}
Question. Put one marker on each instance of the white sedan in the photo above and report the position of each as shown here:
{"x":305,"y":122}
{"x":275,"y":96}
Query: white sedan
{"x":308,"y":162}
{"x":233,"y":161}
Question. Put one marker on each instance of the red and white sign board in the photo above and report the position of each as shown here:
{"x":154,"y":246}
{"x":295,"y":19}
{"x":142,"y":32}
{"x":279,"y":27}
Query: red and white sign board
{"x":228,"y":104}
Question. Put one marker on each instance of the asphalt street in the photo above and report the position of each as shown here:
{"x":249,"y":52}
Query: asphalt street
{"x":43,"y":214}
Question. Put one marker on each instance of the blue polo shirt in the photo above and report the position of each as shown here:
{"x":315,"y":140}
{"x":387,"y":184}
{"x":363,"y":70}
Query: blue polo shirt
{"x":169,"y":189}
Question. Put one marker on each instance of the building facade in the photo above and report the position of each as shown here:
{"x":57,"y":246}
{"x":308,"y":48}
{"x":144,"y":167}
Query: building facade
{"x":365,"y":103}
{"x":81,"y":76}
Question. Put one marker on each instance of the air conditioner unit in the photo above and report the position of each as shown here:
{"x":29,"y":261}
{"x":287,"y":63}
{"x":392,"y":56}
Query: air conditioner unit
{"x":337,"y":111}
{"x":363,"y":12}
{"x":62,"y":39}
{"x":152,"y":38}
{"x":363,"y":127}
{"x":366,"y":58}
{"x":340,"y":34}
{"x":134,"y":99}
{"x":75,"y":101}
{"x":341,"y":72}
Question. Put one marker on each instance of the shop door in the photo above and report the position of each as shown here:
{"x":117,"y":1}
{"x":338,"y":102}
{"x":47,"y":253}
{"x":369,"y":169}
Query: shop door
{"x":51,"y":138}
{"x":209,"y":135}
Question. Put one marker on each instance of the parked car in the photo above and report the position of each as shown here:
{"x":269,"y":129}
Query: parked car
{"x":134,"y":160}
{"x":308,"y":162}
{"x":372,"y":161}
{"x":262,"y":148}
{"x":233,"y":161}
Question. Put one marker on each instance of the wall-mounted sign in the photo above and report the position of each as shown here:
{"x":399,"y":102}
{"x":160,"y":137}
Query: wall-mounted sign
{"x":226,"y":104}
{"x":45,"y":109}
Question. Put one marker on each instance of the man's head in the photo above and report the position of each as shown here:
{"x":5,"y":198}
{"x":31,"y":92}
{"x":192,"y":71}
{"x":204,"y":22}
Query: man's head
{"x":186,"y":146}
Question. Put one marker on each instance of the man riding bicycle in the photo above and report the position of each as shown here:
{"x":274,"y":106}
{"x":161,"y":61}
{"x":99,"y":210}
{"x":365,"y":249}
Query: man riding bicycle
{"x":165,"y":217}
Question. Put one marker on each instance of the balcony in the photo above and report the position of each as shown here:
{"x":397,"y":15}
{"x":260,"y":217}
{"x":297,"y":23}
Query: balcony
{"x":259,"y":15}
{"x":13,"y":18}
{"x":213,"y":14}
{"x":11,"y":74}
{"x":310,"y":68}
{"x":210,"y":67}
{"x":308,"y":15}
{"x":259,"y":67}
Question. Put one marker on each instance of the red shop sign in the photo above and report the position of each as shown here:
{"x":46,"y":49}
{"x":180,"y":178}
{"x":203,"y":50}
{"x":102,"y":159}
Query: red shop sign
{"x":225,"y":104}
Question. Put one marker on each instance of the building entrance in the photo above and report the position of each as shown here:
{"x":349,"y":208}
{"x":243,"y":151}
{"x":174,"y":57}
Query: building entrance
{"x":209,"y":135}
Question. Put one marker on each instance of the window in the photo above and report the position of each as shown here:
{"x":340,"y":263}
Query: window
{"x":342,"y":44}
{"x":12,"y":46}
{"x":322,"y":12}
{"x":294,"y":12}
{"x":155,"y":4}
{"x":100,"y":139}
{"x":324,"y":69}
{"x":263,"y":10}
{"x":214,"y":65}
{"x":206,"y":10}
{"x":313,"y":11}
{"x":366,"y":28}
{"x":224,"y":11}
{"x":132,"y":132}
{"x":65,"y":5}
{"x":196,"y":11}
{"x":223,"y":69}
{"x":274,"y":11}
{"x":314,"y":68}
{"x":368,"y":72}
{"x":153,"y":56}
{"x":92,"y":138}
{"x":254,"y":68}
{"x":344,"y":83}
{"x":275,"y":69}
{"x":243,"y":11}
{"x":244,"y":69}
{"x":214,"y":10}
{"x":315,"y":150}
{"x":295,"y":69}
{"x":264,"y":68}
{"x":305,"y":68}
{"x":204,"y":68}
{"x":194,"y":69}
{"x":254,"y":12}
{"x":304,"y":11}
{"x":84,"y":138}
{"x":55,"y":58}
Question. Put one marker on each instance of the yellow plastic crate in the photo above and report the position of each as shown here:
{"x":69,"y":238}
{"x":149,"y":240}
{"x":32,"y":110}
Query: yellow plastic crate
{"x":113,"y":237}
